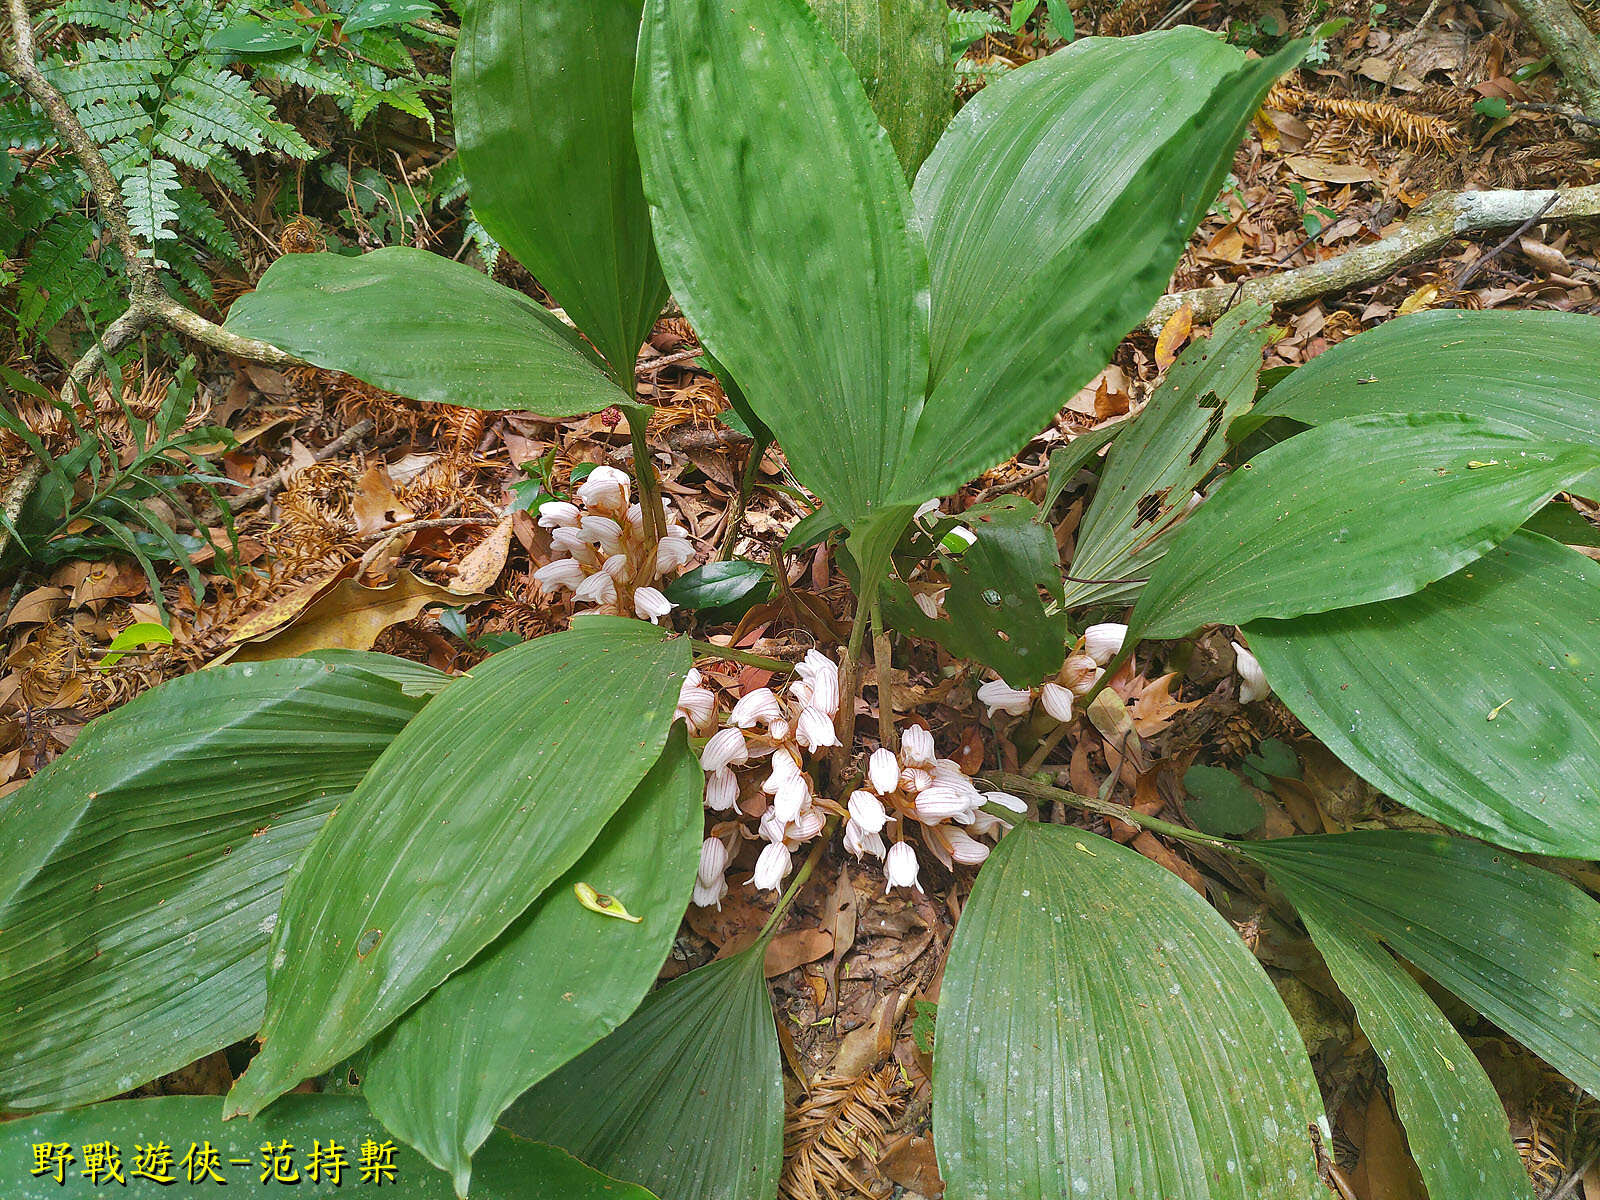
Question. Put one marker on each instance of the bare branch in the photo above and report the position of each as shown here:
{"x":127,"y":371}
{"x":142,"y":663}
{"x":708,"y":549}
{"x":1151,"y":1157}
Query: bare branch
{"x":1432,"y":227}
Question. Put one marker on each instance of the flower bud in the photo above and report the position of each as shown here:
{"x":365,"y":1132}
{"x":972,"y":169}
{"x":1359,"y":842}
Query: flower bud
{"x":916,"y":747}
{"x":815,"y":729}
{"x":713,"y":861}
{"x":1079,"y":674}
{"x":1057,"y":701}
{"x":606,"y":487}
{"x":650,"y":605}
{"x":556,"y":514}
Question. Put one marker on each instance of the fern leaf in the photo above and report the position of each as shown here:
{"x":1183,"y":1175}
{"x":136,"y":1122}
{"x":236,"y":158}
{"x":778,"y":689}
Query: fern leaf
{"x":59,"y":273}
{"x":201,"y":224}
{"x":108,"y":15}
{"x":301,"y":72}
{"x":149,"y":190}
{"x":220,"y":106}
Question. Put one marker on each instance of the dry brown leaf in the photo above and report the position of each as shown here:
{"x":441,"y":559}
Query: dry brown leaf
{"x":795,"y":949}
{"x":375,"y":506}
{"x":107,"y":581}
{"x":37,"y":606}
{"x":349,"y":616}
{"x":1386,"y":1171}
{"x":1311,"y":166}
{"x":1380,"y":70}
{"x":479,"y":570}
{"x":1174,"y":335}
{"x":1157,"y":851}
{"x":910,"y":1162}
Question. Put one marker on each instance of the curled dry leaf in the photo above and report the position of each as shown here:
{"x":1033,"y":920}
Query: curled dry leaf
{"x":347,"y":616}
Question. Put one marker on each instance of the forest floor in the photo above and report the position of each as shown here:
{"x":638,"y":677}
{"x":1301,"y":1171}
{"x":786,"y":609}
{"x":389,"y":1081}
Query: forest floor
{"x":374,"y":522}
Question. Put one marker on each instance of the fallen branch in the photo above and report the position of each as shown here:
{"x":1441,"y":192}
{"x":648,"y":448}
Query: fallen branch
{"x":1562,"y":32}
{"x":1432,"y":227}
{"x":148,"y":300}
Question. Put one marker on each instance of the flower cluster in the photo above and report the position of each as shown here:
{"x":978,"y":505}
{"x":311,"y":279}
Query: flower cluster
{"x":759,"y":765}
{"x":1077,"y":677}
{"x":918,"y":786}
{"x":781,"y":732}
{"x":601,"y":553}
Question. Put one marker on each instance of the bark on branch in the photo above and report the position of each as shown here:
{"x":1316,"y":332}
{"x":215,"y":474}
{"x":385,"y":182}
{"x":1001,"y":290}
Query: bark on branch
{"x":1432,"y":227}
{"x":1562,"y":32}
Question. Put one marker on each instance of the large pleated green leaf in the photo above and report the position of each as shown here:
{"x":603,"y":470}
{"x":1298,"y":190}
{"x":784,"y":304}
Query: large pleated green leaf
{"x":1455,"y":1125}
{"x":1169,"y":448}
{"x":1533,"y":370}
{"x":783,"y":223}
{"x":1104,"y":1032}
{"x":1517,"y":943}
{"x":1473,"y":701}
{"x":1055,"y":208}
{"x":685,"y":1098}
{"x":901,"y":51}
{"x":420,"y":325}
{"x":557,"y":981}
{"x":491,"y":793}
{"x":143,"y":869}
{"x":543,"y":96}
{"x":1351,"y":512}
{"x":303,"y":1129}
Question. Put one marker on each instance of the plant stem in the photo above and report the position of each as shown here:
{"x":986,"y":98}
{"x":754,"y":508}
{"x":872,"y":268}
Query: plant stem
{"x":655,"y":514}
{"x":1050,"y":741}
{"x":747,"y":483}
{"x":883,"y":665}
{"x":849,"y":684}
{"x":1043,"y":791}
{"x":799,"y":881}
{"x":711,"y":650}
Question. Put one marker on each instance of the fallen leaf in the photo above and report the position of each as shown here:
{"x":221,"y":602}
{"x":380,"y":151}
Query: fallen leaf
{"x":795,"y":949}
{"x":37,"y":606}
{"x":1386,"y":1167}
{"x":1310,"y":166}
{"x":109,"y":581}
{"x":910,"y":1163}
{"x":349,"y":616}
{"x":1174,"y":335}
{"x":375,"y":506}
{"x":1153,"y":848}
{"x":482,"y":566}
{"x":1380,"y":70}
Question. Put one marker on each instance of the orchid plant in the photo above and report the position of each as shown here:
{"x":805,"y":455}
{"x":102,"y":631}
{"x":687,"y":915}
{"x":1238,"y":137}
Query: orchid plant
{"x":459,"y":892}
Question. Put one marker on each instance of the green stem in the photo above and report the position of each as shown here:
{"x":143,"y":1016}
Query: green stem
{"x":1043,"y":791}
{"x":655,"y":513}
{"x":747,"y":483}
{"x":1050,"y":741}
{"x":849,"y":684}
{"x":711,"y":650}
{"x":883,"y":665}
{"x":799,"y":880}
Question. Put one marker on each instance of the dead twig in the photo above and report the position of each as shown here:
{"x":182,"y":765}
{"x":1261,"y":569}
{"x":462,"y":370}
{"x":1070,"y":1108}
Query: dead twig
{"x":1433,"y":226}
{"x":268,"y":488}
{"x":1484,"y":259}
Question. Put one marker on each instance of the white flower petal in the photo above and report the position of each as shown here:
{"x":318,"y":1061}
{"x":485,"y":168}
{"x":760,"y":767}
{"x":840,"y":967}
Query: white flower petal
{"x":964,"y":849}
{"x":858,"y":841}
{"x":867,"y":812}
{"x":758,"y":707}
{"x":672,"y":553}
{"x":1057,"y":701}
{"x":815,"y":729}
{"x":605,"y":487}
{"x":772,"y":866}
{"x":999,"y":696}
{"x":1103,"y":642}
{"x":709,"y":895}
{"x":602,"y":531}
{"x":564,"y":573}
{"x":722,"y":790}
{"x":900,"y":867}
{"x":713,"y":861}
{"x":726,"y":747}
{"x":1253,"y":683}
{"x":791,"y":797}
{"x":556,"y":514}
{"x":941,"y":802}
{"x":650,"y":605}
{"x":883,"y":771}
{"x":1005,"y":800}
{"x":598,"y":588}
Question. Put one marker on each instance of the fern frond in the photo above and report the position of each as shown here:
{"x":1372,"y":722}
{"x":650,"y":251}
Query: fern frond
{"x":108,"y":15}
{"x":220,"y":106}
{"x":109,"y":120}
{"x":149,"y":189}
{"x":201,"y":224}
{"x":23,"y":127}
{"x":59,"y":273}
{"x":316,"y":78}
{"x":110,"y":70}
